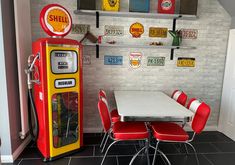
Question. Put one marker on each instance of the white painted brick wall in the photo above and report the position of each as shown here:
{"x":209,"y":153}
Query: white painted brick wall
{"x":204,"y":81}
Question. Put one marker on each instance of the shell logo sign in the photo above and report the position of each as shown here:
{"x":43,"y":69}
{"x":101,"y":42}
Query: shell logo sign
{"x":136,"y":29}
{"x":55,"y":20}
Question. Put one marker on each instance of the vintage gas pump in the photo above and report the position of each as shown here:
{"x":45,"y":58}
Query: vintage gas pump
{"x":55,"y":79}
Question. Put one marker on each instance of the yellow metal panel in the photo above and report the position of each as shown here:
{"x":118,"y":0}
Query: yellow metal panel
{"x":186,"y":62}
{"x":110,"y":5}
{"x":52,"y":90}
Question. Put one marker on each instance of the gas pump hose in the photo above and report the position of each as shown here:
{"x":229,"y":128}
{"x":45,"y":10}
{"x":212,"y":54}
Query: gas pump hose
{"x":33,"y":110}
{"x":31,"y":105}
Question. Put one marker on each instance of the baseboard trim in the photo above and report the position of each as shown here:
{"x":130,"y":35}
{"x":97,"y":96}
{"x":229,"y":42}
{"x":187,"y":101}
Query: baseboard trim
{"x":16,"y":153}
{"x":207,"y":128}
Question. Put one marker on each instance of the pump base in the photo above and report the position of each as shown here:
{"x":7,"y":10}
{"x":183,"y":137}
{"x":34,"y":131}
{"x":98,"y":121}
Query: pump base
{"x":62,"y":155}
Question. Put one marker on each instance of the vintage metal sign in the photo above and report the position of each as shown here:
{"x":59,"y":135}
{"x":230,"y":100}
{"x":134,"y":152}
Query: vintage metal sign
{"x":55,"y":20}
{"x":156,"y":61}
{"x":158,"y":32}
{"x":86,"y":60}
{"x":80,"y":28}
{"x":113,"y":60}
{"x":189,"y":33}
{"x":110,"y":30}
{"x":136,"y":29}
{"x":185,"y":62}
{"x":135,"y":60}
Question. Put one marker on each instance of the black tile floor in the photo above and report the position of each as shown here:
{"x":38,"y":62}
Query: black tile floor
{"x":213,"y":148}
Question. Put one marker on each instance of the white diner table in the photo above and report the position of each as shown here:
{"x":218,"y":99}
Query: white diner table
{"x":150,"y":106}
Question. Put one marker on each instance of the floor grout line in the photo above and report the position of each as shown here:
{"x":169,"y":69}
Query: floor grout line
{"x":117,"y":160}
{"x":215,"y":147}
{"x":69,"y":161}
{"x":208,"y":159}
{"x":93,"y":150}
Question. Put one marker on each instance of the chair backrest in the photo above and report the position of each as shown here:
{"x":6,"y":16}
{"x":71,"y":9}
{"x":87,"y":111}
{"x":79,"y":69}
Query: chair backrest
{"x":101,"y":94}
{"x":202,"y":112}
{"x":104,"y":114}
{"x":180,"y":97}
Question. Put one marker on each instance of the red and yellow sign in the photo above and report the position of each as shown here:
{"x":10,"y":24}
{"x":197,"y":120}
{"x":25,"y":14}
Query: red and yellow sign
{"x":137,"y":29}
{"x":55,"y":20}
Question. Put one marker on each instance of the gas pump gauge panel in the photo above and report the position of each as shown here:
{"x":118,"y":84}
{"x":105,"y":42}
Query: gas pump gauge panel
{"x":64,"y":61}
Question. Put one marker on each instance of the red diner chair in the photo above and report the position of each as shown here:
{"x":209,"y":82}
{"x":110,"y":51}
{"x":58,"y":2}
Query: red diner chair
{"x":122,"y":131}
{"x":114,"y":118}
{"x":173,"y":133}
{"x":180,"y":97}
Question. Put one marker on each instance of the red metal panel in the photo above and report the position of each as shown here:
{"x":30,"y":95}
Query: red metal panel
{"x":41,"y":90}
{"x":166,"y":6}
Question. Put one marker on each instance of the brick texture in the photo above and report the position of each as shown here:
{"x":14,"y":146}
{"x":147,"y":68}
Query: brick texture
{"x":204,"y":81}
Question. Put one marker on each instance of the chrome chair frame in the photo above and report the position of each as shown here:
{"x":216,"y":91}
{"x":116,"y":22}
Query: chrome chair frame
{"x":146,"y":147}
{"x":182,"y":142}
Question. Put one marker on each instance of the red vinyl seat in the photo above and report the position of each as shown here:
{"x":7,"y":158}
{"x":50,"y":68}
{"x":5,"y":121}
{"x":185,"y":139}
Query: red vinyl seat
{"x":171,"y":132}
{"x":130,"y":130}
{"x":121,"y":131}
{"x":176,"y":132}
{"x":180,"y":97}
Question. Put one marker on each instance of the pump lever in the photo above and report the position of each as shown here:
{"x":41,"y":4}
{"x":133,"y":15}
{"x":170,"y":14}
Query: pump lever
{"x":32,"y":68}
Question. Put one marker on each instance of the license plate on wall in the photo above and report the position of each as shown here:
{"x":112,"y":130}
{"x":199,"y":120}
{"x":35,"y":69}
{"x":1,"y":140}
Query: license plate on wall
{"x":113,"y":60}
{"x":110,"y":30}
{"x":158,"y":32}
{"x":156,"y":61}
{"x":80,"y":28}
{"x":186,"y":62}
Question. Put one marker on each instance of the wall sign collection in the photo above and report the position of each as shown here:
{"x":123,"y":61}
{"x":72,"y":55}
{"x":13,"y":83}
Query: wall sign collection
{"x":163,"y":6}
{"x":135,"y":60}
{"x":136,"y":30}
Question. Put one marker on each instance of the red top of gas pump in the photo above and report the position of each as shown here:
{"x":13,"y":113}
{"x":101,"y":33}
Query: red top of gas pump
{"x":55,"y":20}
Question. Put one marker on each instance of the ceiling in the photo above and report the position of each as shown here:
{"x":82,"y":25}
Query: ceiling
{"x":229,"y":5}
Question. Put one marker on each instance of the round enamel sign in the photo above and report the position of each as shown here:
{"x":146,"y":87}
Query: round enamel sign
{"x":55,"y":20}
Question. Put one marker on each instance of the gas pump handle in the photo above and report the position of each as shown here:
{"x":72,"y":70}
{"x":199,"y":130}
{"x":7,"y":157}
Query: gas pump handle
{"x":32,"y":67}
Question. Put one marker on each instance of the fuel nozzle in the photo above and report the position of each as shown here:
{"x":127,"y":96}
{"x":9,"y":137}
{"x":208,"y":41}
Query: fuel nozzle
{"x":30,"y":69}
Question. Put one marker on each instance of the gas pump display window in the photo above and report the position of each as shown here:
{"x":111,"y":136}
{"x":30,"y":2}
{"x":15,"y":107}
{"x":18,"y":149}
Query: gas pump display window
{"x":65,"y":118}
{"x":63,"y":61}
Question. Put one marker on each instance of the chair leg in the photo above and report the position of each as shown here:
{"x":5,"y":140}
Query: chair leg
{"x":147,"y":151}
{"x":169,"y":163}
{"x":107,"y":151}
{"x":155,"y":153}
{"x":107,"y":137}
{"x":101,"y":144}
{"x":185,"y":146}
{"x":194,"y":152}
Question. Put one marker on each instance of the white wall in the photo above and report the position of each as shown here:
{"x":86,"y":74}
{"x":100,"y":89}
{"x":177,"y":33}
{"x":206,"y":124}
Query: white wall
{"x":9,"y":90}
{"x":4,"y":113}
{"x":204,"y":81}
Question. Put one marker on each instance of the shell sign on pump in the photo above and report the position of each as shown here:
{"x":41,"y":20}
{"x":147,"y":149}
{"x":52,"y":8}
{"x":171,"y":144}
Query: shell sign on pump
{"x":55,"y":20}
